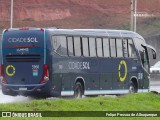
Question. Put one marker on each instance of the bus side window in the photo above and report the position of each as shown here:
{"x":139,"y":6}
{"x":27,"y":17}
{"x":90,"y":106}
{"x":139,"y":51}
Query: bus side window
{"x":85,"y":46}
{"x":77,"y":46}
{"x":131,"y":49}
{"x":63,"y":45}
{"x":55,"y":44}
{"x":113,"y":47}
{"x":70,"y":46}
{"x":92,"y":46}
{"x":106,"y":47}
{"x":99,"y":47}
{"x":59,"y":44}
{"x":125,"y":48}
{"x":119,"y":47}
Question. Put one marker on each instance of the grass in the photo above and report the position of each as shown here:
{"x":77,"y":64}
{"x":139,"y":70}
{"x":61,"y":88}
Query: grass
{"x":131,"y":102}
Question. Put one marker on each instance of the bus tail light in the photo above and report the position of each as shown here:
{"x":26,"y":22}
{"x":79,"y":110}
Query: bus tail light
{"x":3,"y":80}
{"x":2,"y":70}
{"x":42,"y":29}
{"x":45,"y":77}
{"x":6,"y":30}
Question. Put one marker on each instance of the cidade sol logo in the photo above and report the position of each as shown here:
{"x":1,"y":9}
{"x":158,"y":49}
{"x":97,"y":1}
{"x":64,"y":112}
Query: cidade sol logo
{"x":21,"y":39}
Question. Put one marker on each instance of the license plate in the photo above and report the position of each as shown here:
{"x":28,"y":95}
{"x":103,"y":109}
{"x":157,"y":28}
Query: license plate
{"x":22,"y":88}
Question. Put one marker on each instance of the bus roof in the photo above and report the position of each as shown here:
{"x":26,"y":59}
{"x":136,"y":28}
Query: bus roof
{"x":97,"y":32}
{"x":91,"y":32}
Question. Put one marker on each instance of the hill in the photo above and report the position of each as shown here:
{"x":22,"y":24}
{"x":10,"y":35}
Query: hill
{"x":73,"y":13}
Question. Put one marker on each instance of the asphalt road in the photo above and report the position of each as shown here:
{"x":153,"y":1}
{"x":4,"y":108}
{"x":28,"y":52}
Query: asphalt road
{"x":11,"y":99}
{"x":155,"y":83}
{"x":154,"y":86}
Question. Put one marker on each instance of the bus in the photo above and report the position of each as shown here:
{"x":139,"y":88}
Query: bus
{"x":74,"y":62}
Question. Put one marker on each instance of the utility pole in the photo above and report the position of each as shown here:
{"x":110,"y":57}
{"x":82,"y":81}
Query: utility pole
{"x":133,"y":15}
{"x":11,"y":14}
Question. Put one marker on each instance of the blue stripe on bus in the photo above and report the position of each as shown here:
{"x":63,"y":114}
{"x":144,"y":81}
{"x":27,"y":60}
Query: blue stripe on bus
{"x":100,"y":92}
{"x":44,"y":46}
{"x":94,"y":92}
{"x":67,"y":93}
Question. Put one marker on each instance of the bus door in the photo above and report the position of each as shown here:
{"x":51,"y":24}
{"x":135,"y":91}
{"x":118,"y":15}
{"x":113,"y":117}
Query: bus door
{"x":23,"y":57}
{"x":145,"y":63}
{"x":146,"y":58}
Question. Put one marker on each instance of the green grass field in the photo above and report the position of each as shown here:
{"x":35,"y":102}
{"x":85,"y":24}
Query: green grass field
{"x":131,"y":102}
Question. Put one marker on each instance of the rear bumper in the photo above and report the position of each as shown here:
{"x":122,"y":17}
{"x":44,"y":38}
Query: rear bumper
{"x":27,"y":90}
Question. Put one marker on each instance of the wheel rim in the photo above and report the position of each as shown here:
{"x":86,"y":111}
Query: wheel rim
{"x":131,"y":89}
{"x":78,"y":92}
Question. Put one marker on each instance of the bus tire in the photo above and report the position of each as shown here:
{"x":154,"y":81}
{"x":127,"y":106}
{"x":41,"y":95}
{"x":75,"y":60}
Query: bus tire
{"x":78,"y":90}
{"x":132,"y":88}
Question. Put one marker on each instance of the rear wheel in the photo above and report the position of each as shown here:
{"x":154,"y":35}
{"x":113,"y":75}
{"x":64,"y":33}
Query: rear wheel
{"x":78,"y":90}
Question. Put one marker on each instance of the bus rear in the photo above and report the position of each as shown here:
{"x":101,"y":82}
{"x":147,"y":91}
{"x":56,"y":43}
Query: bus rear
{"x":23,"y":67}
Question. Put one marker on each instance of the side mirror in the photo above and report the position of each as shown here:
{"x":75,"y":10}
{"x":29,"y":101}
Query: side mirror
{"x":153,"y":51}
